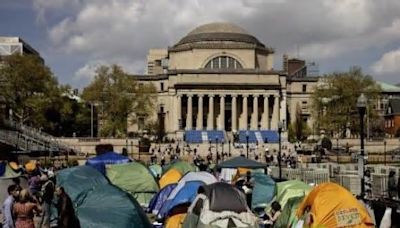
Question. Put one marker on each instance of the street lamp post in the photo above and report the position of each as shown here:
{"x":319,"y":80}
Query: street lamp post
{"x":337,"y":149}
{"x":222,"y":149}
{"x":91,"y":120}
{"x":247,"y":144}
{"x":384,"y":150}
{"x":229,"y":148}
{"x":280,"y":149}
{"x":216,"y":149}
{"x":139,"y":149}
{"x":362,"y":105}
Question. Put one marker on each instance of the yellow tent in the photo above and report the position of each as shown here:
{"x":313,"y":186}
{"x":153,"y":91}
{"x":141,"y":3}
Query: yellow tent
{"x":331,"y":205}
{"x":240,"y":172}
{"x":30,"y":166}
{"x":175,"y":221}
{"x":170,"y":177}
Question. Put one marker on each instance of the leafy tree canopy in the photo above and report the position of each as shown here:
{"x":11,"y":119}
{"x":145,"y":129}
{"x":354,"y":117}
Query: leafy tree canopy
{"x":335,"y":99}
{"x":28,"y":88}
{"x":118,"y":96}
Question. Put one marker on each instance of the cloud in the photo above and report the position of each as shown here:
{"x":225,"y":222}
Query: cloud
{"x":122,"y":31}
{"x":388,"y":63}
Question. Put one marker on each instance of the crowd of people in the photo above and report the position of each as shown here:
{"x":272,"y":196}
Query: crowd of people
{"x":41,"y":204}
{"x":162,"y":155}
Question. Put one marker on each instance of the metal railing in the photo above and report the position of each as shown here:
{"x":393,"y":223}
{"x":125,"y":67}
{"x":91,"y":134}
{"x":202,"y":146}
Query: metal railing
{"x":27,"y":138}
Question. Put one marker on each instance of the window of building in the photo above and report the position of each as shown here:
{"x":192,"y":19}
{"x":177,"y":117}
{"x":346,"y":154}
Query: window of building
{"x":158,"y":62}
{"x":162,"y":86}
{"x":223,"y":62}
{"x":304,"y":88}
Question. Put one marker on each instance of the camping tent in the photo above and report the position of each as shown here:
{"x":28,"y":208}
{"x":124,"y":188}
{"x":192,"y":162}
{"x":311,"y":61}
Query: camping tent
{"x":219,"y":205}
{"x":99,"y":162}
{"x":182,"y":166}
{"x":156,"y":170}
{"x":185,"y":196}
{"x":331,"y":205}
{"x":186,"y":190}
{"x":108,"y":206}
{"x":78,"y":181}
{"x":202,"y":176}
{"x":288,"y":189}
{"x":241,"y":162}
{"x":135,"y":179}
{"x":263,"y":191}
{"x":98,"y":203}
{"x":158,"y":200}
{"x":172,"y":176}
{"x":9,"y":172}
{"x":289,"y":195}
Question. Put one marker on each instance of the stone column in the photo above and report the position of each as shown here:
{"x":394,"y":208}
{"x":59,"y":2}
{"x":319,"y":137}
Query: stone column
{"x":222,"y":112}
{"x":189,"y":117}
{"x":254,"y":116}
{"x":199,"y":125}
{"x":210,"y":119}
{"x":275,"y":114}
{"x":265,"y":117}
{"x":244,"y":112}
{"x":234,"y":113}
{"x":178,"y":111}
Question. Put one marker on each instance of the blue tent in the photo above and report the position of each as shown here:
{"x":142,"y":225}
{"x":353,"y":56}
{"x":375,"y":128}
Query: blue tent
{"x":109,"y":158}
{"x":264,"y":190}
{"x":158,"y":200}
{"x":186,"y":195}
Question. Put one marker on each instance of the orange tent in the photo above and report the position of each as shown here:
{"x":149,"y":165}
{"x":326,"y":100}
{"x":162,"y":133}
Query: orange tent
{"x":175,"y":221}
{"x":331,"y":205}
{"x":240,"y":172}
{"x":170,"y":177}
{"x":30,"y":166}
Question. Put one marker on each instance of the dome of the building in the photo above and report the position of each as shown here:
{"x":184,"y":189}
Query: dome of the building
{"x":218,"y":27}
{"x":215,"y":33}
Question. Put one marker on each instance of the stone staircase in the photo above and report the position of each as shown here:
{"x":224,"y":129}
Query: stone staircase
{"x":26,"y":138}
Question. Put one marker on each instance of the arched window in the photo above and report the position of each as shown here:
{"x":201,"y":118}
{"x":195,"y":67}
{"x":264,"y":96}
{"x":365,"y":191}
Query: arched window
{"x":223,"y":62}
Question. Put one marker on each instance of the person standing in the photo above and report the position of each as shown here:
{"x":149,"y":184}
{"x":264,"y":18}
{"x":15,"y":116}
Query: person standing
{"x":24,"y":210}
{"x":392,"y":187}
{"x":8,"y":220}
{"x":368,"y":184}
{"x":46,"y":198}
{"x":66,"y":213}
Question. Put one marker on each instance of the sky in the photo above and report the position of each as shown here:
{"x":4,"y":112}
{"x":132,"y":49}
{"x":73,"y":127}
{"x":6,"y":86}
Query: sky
{"x":76,"y":36}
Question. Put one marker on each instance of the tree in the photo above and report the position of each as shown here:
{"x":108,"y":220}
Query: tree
{"x":118,"y":96}
{"x":28,"y":89}
{"x":334,"y":100}
{"x":298,"y":130}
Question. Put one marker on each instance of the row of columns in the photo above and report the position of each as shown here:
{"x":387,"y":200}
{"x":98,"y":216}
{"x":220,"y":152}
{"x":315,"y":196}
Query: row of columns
{"x":221,"y":119}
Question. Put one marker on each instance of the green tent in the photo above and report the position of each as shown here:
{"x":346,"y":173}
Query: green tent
{"x":98,"y":203}
{"x":181,"y":166}
{"x":10,"y":173}
{"x":290,"y":194}
{"x":263,"y":191}
{"x":288,"y":217}
{"x":135,"y":179}
{"x":156,"y":170}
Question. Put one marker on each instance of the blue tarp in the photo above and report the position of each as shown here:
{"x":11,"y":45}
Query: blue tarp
{"x":109,"y":158}
{"x":263,"y":191}
{"x":186,"y":195}
{"x":158,"y":200}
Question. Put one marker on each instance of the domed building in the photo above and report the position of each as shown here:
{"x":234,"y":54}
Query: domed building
{"x":218,"y":80}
